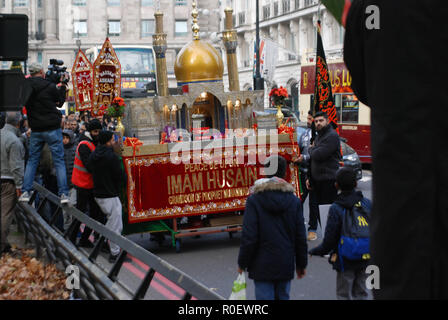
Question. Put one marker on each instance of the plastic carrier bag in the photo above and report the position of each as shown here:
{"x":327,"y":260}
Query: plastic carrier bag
{"x":239,"y":288}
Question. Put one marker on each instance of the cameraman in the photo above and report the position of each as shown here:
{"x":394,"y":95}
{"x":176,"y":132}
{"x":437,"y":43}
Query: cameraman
{"x":42,"y":97}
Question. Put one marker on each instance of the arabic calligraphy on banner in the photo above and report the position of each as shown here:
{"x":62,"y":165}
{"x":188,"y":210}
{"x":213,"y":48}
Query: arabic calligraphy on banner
{"x":340,"y":78}
{"x":107,"y":78}
{"x":82,"y":75}
{"x":159,"y":189}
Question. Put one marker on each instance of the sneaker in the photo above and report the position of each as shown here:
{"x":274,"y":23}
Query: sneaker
{"x":25,"y":197}
{"x":312,"y":236}
{"x":113,"y":258}
{"x":65,"y":199}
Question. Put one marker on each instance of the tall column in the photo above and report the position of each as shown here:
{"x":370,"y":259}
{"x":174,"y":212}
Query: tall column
{"x":230,"y":43}
{"x":159,"y":45}
{"x":51,"y":15}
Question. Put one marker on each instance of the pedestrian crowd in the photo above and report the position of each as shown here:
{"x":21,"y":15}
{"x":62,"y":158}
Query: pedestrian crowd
{"x":274,"y":244}
{"x":74,"y":157}
{"x":59,"y":152}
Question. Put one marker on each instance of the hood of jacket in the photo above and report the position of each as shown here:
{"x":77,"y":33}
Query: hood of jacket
{"x":348,"y":199}
{"x":276,"y":194}
{"x":71,"y":136}
{"x":101,"y":152}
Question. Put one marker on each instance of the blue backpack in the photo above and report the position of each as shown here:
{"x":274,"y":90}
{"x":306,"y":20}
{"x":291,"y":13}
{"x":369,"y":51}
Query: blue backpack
{"x":354,"y":243}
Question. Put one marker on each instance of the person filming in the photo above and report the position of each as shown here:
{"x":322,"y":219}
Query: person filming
{"x":42,"y":98}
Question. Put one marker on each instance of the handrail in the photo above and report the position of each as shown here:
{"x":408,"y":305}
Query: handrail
{"x":96,"y":282}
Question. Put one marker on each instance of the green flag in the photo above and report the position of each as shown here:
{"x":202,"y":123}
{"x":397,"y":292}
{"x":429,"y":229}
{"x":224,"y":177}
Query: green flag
{"x":339,"y":9}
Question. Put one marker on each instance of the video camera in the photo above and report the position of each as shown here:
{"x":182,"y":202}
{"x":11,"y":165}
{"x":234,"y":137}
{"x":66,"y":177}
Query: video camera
{"x":56,"y":72}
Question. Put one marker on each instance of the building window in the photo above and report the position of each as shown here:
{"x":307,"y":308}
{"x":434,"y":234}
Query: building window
{"x":114,"y":27}
{"x":39,"y":57}
{"x":147,"y":28}
{"x":20,"y":3}
{"x":113,"y":3}
{"x":147,"y":3}
{"x":286,"y":6}
{"x":266,"y":12}
{"x":79,"y":3}
{"x":80,"y":28}
{"x":181,"y":2}
{"x":39,"y":3}
{"x":3,"y":3}
{"x":309,"y":3}
{"x":181,"y":28}
{"x":275,"y":9}
{"x":40,"y":26}
{"x":241,"y":18}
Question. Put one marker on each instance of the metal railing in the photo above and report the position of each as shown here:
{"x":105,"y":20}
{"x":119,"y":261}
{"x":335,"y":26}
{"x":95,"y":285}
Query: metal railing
{"x":95,"y":281}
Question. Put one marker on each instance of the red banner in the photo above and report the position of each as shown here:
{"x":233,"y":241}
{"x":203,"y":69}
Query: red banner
{"x":340,"y":78}
{"x":107,"y":78}
{"x":82,"y":75}
{"x":159,"y":189}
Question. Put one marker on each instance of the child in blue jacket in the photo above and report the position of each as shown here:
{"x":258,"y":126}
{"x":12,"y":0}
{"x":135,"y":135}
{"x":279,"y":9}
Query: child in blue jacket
{"x":351,"y":277}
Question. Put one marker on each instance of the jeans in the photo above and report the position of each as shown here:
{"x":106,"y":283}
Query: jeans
{"x":85,"y":202}
{"x":272,"y":290}
{"x":54,"y":140}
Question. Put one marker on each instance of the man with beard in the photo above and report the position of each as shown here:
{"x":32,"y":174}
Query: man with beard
{"x":325,"y":154}
{"x":83,"y":181}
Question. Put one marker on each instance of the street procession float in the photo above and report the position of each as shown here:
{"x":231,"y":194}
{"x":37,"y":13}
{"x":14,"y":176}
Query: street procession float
{"x":190,"y":159}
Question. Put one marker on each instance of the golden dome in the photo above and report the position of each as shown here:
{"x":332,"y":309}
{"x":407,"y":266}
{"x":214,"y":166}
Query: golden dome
{"x":198,"y":61}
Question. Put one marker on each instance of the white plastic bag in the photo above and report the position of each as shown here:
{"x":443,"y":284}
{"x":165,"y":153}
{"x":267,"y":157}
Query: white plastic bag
{"x":239,"y":288}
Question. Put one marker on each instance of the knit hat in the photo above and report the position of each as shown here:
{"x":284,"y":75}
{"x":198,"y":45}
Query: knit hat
{"x":105,"y":136}
{"x":94,"y":124}
{"x":35,"y":68}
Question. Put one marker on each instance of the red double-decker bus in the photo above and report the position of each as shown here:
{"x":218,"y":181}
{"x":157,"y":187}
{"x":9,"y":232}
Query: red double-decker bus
{"x":353,"y":115}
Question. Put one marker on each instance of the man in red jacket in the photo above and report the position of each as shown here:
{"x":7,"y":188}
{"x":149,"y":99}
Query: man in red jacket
{"x":83,"y":181}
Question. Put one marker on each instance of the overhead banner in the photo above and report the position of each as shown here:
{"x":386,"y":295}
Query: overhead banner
{"x":82,"y":77}
{"x":159,"y":189}
{"x":107,"y":78}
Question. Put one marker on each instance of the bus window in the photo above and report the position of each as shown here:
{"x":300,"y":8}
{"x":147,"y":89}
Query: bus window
{"x":347,"y":106}
{"x":136,"y":60}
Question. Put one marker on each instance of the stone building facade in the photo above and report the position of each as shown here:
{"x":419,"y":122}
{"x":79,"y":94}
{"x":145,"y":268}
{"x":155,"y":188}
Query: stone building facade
{"x":290,"y":24}
{"x":56,"y":25}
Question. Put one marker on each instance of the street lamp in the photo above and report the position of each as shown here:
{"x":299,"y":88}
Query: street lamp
{"x":258,"y":80}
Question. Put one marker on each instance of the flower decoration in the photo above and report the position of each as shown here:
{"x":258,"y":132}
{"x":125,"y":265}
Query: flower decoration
{"x":116,"y":108}
{"x":278,"y":95}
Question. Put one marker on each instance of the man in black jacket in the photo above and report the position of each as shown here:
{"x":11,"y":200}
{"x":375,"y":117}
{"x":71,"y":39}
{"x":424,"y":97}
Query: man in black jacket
{"x":273,"y":243}
{"x":108,"y":177}
{"x":43,"y":98}
{"x":325,"y":154}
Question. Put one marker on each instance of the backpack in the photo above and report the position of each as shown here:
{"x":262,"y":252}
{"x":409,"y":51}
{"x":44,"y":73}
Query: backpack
{"x":354,"y":243}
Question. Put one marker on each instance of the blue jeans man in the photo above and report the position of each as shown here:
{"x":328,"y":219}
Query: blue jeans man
{"x":54,"y":140}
